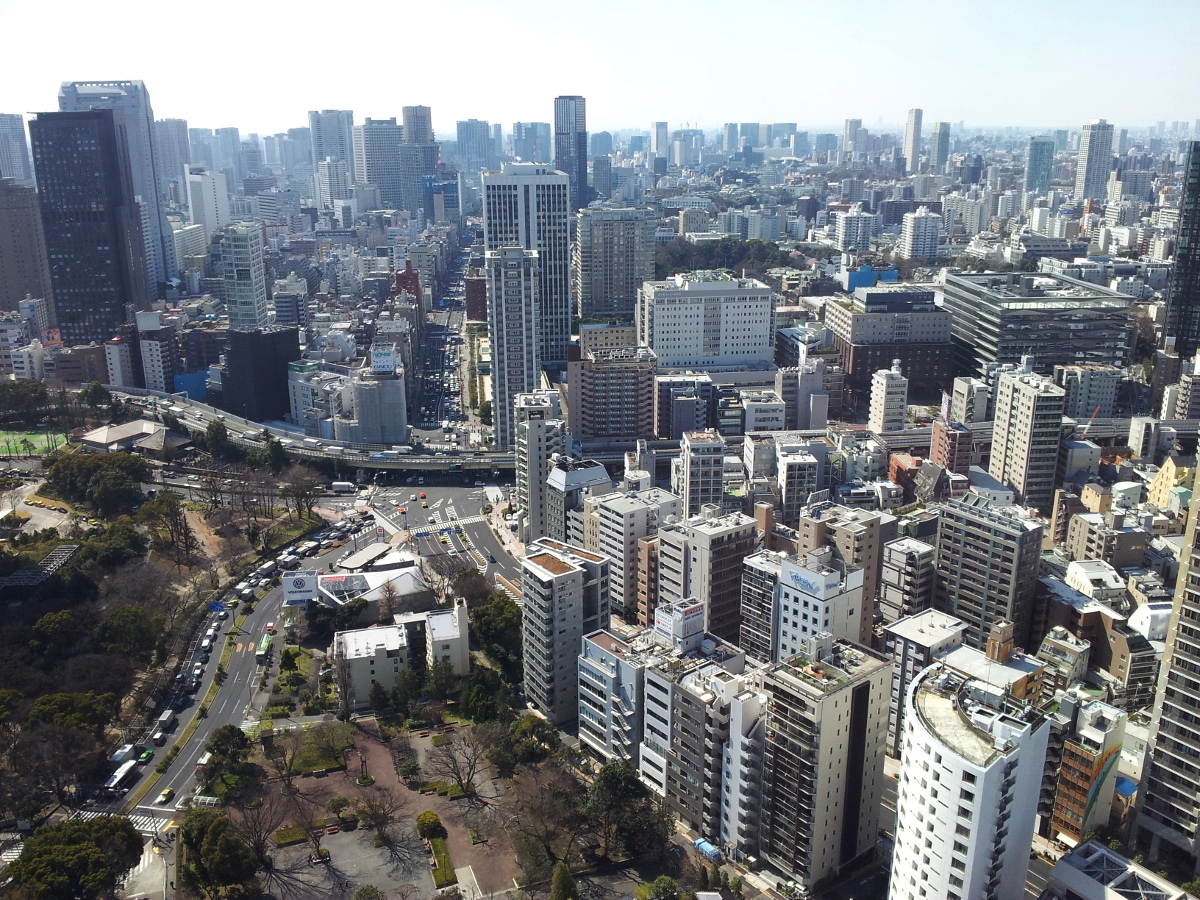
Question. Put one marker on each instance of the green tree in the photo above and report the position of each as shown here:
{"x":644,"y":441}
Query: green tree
{"x":166,"y":516}
{"x":702,"y":879}
{"x":127,"y":631}
{"x":562,"y":883}
{"x":173,"y":423}
{"x":25,"y":398}
{"x":429,"y":825}
{"x":287,"y":660}
{"x":625,"y":815}
{"x":497,"y":632}
{"x":485,"y":412}
{"x":377,"y":697}
{"x":95,"y":395}
{"x":369,"y":892}
{"x":439,"y":684}
{"x":218,"y":862}
{"x":54,"y":631}
{"x":664,"y":887}
{"x":85,"y":711}
{"x":229,"y":744}
{"x":216,"y":439}
{"x":111,"y":490}
{"x":336,"y":804}
{"x":534,"y":739}
{"x":76,"y":859}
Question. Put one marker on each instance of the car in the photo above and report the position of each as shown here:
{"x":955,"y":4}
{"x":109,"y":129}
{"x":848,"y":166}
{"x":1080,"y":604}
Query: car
{"x":432,"y":520}
{"x":425,"y":504}
{"x":491,"y":558}
{"x":193,"y":685}
{"x":223,"y":614}
{"x":204,"y":657}
{"x":270,"y":628}
{"x":422,"y":495}
{"x":165,"y":796}
{"x":197,"y":670}
{"x":479,"y":484}
{"x":412,"y":497}
{"x":145,"y":757}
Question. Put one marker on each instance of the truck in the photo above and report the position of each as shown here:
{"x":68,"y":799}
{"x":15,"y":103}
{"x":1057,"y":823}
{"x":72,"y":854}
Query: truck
{"x":123,"y":753}
{"x":343,"y":487}
{"x":202,"y":764}
{"x":165,"y":720}
{"x":312,"y":443}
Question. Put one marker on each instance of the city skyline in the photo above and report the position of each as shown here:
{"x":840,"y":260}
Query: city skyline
{"x":219,"y":97}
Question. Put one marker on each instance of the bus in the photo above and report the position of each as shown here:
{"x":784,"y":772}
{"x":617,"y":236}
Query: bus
{"x":119,"y":777}
{"x":264,"y":649}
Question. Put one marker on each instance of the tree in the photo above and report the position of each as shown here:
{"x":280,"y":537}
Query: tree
{"x":229,"y":743}
{"x":440,"y":682}
{"x":256,"y":826}
{"x":378,"y":808}
{"x":474,"y":587}
{"x":95,"y":395}
{"x":216,"y":439}
{"x":534,"y":739}
{"x":54,"y":631}
{"x":483,"y":696}
{"x":59,"y":756}
{"x":304,"y":487}
{"x":166,"y":515}
{"x":377,"y":697}
{"x":369,"y":892}
{"x":457,"y":761}
{"x":127,"y":631}
{"x":287,"y":660}
{"x":336,"y":804}
{"x":85,"y":711}
{"x":548,"y":804}
{"x":111,"y":490}
{"x":485,"y":412}
{"x":285,"y":757}
{"x":497,"y":631}
{"x":218,"y":861}
{"x":562,"y":883}
{"x":664,"y":887}
{"x":76,"y":859}
{"x":625,"y":815}
{"x":702,"y":879}
{"x":429,"y":825}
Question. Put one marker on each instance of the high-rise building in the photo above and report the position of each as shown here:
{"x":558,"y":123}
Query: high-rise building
{"x":750,"y":135}
{"x":92,"y":222}
{"x":245,"y":276}
{"x":622,"y":519}
{"x":613,"y":257}
{"x":856,"y":538}
{"x":377,"y":158}
{"x":174,"y":154}
{"x":1026,"y":432}
{"x":132,"y":98}
{"x":528,"y":206}
{"x":700,"y":558}
{"x":939,"y":147}
{"x":332,"y":135}
{"x":475,"y":147}
{"x":906,"y":578}
{"x":1167,"y":808}
{"x":1183,"y":305}
{"x":570,"y":146}
{"x":1039,"y":164}
{"x":854,"y":229}
{"x":419,"y":156}
{"x":850,"y":134}
{"x":697,"y":474}
{"x":611,"y":394}
{"x":333,"y":182}
{"x":541,"y":434}
{"x":24,"y":265}
{"x":822,"y":773}
{"x":564,"y":591}
{"x":920,"y":235}
{"x":707,"y":320}
{"x":207,"y":199}
{"x":14,"y":149}
{"x":889,"y":400}
{"x":533,"y":142}
{"x":914,"y":643}
{"x":973,"y":764}
{"x":418,"y":124}
{"x":987,"y":566}
{"x":513,"y":291}
{"x":1095,"y":160}
{"x":255,"y":381}
{"x":912,"y":140}
{"x":660,"y":139}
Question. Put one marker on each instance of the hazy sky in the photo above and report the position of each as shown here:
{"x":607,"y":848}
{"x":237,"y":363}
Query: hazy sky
{"x":260,"y":66}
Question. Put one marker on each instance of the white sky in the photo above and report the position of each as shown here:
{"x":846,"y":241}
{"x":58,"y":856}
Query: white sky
{"x":261,"y":66}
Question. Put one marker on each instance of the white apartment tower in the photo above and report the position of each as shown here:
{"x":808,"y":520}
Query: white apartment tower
{"x":528,"y":205}
{"x":889,"y":400}
{"x":513,"y":321}
{"x":1095,"y":161}
{"x":245,"y":276}
{"x":854,"y":229}
{"x":564,"y":593}
{"x":541,"y":433}
{"x":208,"y":199}
{"x":920,"y":235}
{"x":1026,"y":432}
{"x":967,"y":801}
{"x":698,"y":474}
{"x":912,"y":140}
{"x":377,"y":158}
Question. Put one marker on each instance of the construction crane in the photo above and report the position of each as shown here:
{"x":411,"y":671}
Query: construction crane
{"x":1095,"y":412}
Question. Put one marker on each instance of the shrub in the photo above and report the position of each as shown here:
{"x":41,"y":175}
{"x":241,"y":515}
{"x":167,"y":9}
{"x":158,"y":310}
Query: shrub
{"x":289,"y":834}
{"x":443,"y":875}
{"x":429,"y":826}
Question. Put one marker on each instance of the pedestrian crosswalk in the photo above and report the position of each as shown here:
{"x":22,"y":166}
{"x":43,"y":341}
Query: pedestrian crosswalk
{"x":145,"y":824}
{"x":439,"y":525}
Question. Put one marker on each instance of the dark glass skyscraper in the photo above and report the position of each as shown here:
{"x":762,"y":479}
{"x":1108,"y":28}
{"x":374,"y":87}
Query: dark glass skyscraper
{"x":571,"y":146}
{"x":92,"y":221}
{"x":1183,"y":309}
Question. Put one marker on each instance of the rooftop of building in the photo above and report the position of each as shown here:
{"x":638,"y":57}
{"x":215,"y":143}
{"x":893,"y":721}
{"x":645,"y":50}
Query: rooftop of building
{"x":568,"y":550}
{"x":818,"y":672}
{"x":1042,"y":289}
{"x":364,"y":642}
{"x":1093,"y":871}
{"x":550,"y":563}
{"x":977,"y":665}
{"x":976,"y":720}
{"x":702,"y":278}
{"x":677,"y":665}
{"x":608,"y":643}
{"x":929,"y":626}
{"x":442,"y":625}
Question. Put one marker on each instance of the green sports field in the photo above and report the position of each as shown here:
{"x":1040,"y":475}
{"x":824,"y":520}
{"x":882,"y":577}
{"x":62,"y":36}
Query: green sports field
{"x":10,"y":442}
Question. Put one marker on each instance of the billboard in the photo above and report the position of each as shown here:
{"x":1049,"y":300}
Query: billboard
{"x":383,"y":359}
{"x":299,"y":588}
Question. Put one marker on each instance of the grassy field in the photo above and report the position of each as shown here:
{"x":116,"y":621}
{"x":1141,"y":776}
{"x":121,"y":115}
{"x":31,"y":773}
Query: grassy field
{"x":10,"y":442}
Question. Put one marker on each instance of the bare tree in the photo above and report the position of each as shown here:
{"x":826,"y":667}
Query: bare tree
{"x":304,"y":486}
{"x":379,"y":808}
{"x":345,"y":683}
{"x":459,"y":760}
{"x":330,"y":739}
{"x":442,"y":569}
{"x":256,"y":825}
{"x":285,"y":757}
{"x":548,"y":814}
{"x":389,"y":600}
{"x":212,"y":490}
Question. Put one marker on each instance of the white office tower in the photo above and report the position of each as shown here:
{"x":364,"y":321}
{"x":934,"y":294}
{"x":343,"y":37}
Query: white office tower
{"x":528,"y":205}
{"x":133,"y":100}
{"x":333,"y":182}
{"x":707,"y":320}
{"x":920,"y":235}
{"x":698,"y":473}
{"x":660,"y":143}
{"x":564,"y":592}
{"x":912,"y":140}
{"x":969,"y":402}
{"x":208,"y":199}
{"x":245,"y":276}
{"x":541,"y":434}
{"x":799,"y":473}
{"x":377,"y":145}
{"x":621,"y":519}
{"x":332,"y":135}
{"x":513,"y":322}
{"x":889,"y":400}
{"x":1026,"y":432}
{"x":1095,"y":161}
{"x":174,"y":153}
{"x":823,"y":759}
{"x":787,"y":600}
{"x":969,"y":784}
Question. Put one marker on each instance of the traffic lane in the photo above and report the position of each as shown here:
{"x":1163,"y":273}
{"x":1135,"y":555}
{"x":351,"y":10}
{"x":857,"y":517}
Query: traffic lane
{"x":1039,"y":875}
